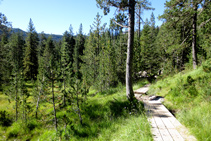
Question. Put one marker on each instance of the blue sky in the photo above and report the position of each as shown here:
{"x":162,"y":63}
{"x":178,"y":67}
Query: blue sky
{"x":55,"y":16}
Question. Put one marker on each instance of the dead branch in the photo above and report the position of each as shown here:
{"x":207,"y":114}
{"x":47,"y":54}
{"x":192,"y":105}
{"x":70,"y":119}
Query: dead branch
{"x":120,"y":24}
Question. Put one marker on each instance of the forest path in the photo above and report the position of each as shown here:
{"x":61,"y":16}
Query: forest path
{"x":164,"y":126}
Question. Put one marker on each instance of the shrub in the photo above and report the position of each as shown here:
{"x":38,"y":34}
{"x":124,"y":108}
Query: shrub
{"x":190,"y":80}
{"x":207,"y":66}
{"x":5,"y":119}
{"x":14,"y":130}
{"x":48,"y":135}
{"x":32,"y":124}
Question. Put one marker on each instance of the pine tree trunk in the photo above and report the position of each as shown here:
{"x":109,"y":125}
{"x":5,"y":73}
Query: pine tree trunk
{"x":129,"y":61}
{"x":38,"y":99}
{"x":16,"y":98}
{"x":79,"y":112}
{"x":139,"y":25}
{"x":37,"y":106}
{"x":52,"y":82}
{"x":64,"y":98}
{"x":24,"y":107}
{"x":194,"y":57}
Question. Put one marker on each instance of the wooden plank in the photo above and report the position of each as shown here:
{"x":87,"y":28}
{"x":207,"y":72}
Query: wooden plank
{"x":155,"y":132}
{"x":148,"y":108}
{"x":170,"y":127}
{"x":175,"y":134}
{"x":161,"y":127}
{"x":165,"y":135}
{"x":167,"y":123}
{"x":165,"y":127}
{"x":141,"y":90}
{"x":154,"y":129}
{"x":178,"y":126}
{"x":164,"y":115}
{"x":182,"y":129}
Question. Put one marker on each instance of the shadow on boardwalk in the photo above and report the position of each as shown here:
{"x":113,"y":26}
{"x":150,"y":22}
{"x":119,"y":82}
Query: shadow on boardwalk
{"x":165,"y":127}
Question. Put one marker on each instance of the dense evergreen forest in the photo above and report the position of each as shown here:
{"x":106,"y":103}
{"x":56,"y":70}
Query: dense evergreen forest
{"x":49,"y":83}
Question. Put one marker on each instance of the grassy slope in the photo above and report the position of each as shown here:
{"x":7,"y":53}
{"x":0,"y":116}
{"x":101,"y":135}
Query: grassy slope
{"x":105,"y":117}
{"x":189,"y":95}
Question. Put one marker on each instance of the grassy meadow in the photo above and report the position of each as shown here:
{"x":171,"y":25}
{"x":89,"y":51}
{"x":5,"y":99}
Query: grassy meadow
{"x":106,"y":116}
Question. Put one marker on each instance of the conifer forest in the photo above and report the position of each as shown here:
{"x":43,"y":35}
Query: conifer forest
{"x":81,"y":87}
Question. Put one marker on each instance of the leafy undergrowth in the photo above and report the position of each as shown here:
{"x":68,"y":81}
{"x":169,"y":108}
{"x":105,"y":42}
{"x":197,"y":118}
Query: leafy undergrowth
{"x":189,"y":95}
{"x":106,"y":116}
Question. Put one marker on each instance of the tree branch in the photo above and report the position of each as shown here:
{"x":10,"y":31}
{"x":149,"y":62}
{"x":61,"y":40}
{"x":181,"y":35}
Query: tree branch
{"x":185,"y":38}
{"x":112,"y":4}
{"x":121,"y":24}
{"x":203,"y":23}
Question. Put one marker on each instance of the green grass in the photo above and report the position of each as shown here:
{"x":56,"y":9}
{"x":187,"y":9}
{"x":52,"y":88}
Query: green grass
{"x":188,"y":93}
{"x":198,"y":120}
{"x":106,"y":115}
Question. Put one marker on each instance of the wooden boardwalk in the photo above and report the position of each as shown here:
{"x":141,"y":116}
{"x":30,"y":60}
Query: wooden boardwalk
{"x":165,"y":127}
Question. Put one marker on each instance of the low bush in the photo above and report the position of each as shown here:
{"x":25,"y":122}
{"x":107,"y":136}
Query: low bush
{"x":32,"y":124}
{"x":5,"y":119}
{"x":14,"y":130}
{"x":207,"y":66}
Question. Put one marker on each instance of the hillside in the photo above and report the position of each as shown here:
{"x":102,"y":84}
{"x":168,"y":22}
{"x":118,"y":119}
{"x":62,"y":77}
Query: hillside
{"x":54,"y":36}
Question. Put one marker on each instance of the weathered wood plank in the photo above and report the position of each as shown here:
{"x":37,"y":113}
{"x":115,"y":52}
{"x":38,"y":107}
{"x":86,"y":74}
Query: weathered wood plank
{"x":165,"y":127}
{"x":155,"y":132}
{"x":166,"y":136}
{"x":175,"y":134}
{"x":182,"y":130}
{"x":142,"y":90}
{"x":178,"y":126}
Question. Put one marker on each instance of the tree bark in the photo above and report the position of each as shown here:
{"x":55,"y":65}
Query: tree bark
{"x":64,"y":98}
{"x":16,"y":97}
{"x":79,"y":112}
{"x":129,"y":61}
{"x":38,"y":99}
{"x":52,"y":82}
{"x":194,"y":57}
{"x":139,"y":24}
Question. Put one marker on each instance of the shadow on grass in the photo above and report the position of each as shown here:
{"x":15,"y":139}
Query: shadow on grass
{"x":109,"y":91}
{"x":97,"y":117}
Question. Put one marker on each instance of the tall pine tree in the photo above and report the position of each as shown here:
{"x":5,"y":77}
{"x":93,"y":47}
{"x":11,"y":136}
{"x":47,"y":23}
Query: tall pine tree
{"x":78,"y":52}
{"x":30,"y":60}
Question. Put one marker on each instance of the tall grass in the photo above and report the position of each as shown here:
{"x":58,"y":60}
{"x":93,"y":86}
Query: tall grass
{"x":106,"y":115}
{"x":189,"y":94}
{"x":198,"y":120}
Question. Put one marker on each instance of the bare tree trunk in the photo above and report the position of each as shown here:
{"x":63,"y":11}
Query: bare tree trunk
{"x":52,"y":82}
{"x":38,"y":99}
{"x":24,"y":107}
{"x":129,"y":61}
{"x":139,"y":24}
{"x":194,"y":56}
{"x":64,"y":98}
{"x":79,"y":112}
{"x":16,"y":98}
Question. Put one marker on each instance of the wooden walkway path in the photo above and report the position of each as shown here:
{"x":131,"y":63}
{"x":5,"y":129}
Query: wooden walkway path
{"x":165,"y":127}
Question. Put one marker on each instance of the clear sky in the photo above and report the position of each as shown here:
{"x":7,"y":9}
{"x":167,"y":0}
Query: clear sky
{"x":55,"y":16}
